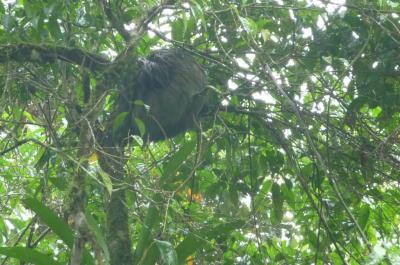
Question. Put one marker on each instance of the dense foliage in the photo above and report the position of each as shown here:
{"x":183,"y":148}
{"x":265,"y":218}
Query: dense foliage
{"x":298,"y":163}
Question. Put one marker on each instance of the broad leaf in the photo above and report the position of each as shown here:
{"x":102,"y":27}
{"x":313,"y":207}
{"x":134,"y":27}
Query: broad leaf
{"x":28,"y":255}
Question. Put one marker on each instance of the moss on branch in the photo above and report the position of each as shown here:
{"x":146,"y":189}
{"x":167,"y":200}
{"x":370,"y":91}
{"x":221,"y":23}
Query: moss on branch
{"x":34,"y":53}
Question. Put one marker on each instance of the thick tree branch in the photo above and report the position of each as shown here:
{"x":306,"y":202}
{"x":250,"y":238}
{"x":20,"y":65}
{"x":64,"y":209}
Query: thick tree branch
{"x":25,"y":52}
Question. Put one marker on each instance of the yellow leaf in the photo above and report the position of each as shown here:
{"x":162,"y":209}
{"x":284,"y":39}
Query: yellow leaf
{"x":189,"y":260}
{"x":93,"y":157}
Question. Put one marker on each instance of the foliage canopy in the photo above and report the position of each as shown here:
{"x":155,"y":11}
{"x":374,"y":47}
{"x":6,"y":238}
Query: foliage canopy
{"x":299,"y":164}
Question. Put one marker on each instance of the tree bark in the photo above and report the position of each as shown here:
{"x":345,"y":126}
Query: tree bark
{"x":112,"y":161}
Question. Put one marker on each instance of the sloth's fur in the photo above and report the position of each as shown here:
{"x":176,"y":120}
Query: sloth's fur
{"x":171,"y":84}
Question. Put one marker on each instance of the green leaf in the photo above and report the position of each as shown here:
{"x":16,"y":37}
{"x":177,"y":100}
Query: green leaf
{"x":248,"y":24}
{"x":152,"y":217}
{"x":106,"y":180}
{"x":277,"y":203}
{"x":141,"y":126}
{"x":167,"y":252}
{"x":119,"y":120}
{"x":28,"y":255}
{"x":137,"y":140}
{"x":376,"y":111}
{"x":189,"y":246}
{"x":42,"y":156}
{"x":51,"y":220}
{"x":93,"y":226}
{"x":312,"y":238}
{"x":196,"y":241}
{"x":198,"y":13}
{"x":2,"y":10}
{"x":59,"y":182}
{"x":171,"y":167}
{"x":54,"y":27}
{"x":363,"y":216}
{"x":178,"y":29}
{"x":32,"y":8}
{"x":58,"y":225}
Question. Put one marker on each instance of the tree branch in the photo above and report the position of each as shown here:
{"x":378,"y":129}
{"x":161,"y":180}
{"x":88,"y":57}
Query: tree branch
{"x":16,"y":145}
{"x":25,"y":52}
{"x":115,"y":22}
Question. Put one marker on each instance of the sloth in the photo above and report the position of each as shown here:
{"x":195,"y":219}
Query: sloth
{"x":167,"y":96}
